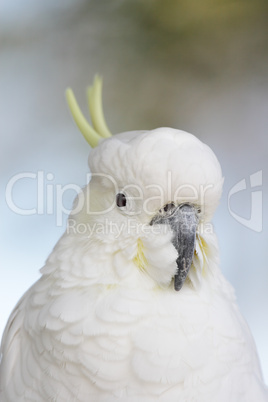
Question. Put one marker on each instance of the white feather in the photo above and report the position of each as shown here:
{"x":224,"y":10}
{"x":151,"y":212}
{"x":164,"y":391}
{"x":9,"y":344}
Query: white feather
{"x":104,"y":322}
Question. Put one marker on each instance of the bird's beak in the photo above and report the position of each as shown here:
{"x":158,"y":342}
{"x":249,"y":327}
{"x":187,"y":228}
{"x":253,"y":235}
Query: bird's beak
{"x":183,"y":220}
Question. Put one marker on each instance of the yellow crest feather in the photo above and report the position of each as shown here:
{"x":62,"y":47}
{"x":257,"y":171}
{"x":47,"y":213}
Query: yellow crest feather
{"x":100,"y":130}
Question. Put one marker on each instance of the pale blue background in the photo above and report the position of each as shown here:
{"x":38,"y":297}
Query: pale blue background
{"x":190,"y":65}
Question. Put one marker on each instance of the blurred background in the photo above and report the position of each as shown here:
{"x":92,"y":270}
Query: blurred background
{"x":201,"y":66}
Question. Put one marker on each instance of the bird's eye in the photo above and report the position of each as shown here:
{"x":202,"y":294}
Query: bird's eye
{"x":121,"y":200}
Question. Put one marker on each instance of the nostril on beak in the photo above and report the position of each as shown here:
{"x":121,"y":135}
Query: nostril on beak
{"x":169,"y":207}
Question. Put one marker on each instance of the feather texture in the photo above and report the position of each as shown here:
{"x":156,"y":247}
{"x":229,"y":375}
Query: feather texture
{"x":104,"y":322}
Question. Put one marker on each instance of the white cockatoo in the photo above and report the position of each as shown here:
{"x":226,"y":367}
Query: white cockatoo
{"x":131,"y":305}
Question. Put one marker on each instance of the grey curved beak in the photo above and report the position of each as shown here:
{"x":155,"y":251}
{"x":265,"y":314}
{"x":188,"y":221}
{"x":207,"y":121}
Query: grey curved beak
{"x":183,"y":220}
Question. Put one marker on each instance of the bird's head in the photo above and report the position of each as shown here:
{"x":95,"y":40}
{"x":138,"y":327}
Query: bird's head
{"x":150,"y":199}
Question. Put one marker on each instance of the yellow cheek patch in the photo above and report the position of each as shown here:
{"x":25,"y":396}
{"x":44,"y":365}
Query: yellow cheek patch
{"x":140,"y":259}
{"x":201,"y":251}
{"x":204,"y":248}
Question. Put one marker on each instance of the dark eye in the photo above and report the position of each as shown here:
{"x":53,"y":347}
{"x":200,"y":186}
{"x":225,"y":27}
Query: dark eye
{"x":121,"y":200}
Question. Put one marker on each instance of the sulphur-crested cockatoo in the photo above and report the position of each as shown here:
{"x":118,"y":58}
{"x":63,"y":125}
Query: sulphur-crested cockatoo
{"x":131,"y":305}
